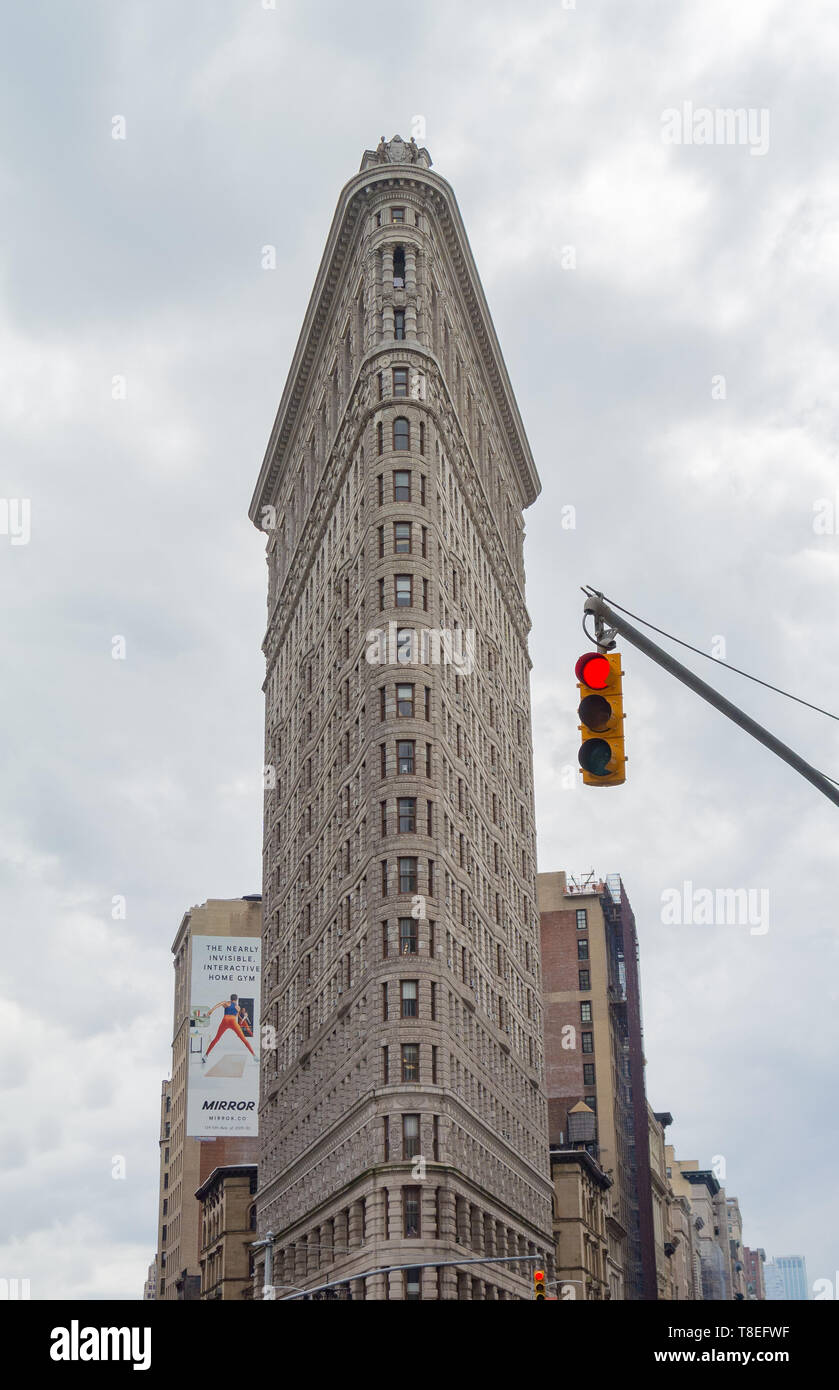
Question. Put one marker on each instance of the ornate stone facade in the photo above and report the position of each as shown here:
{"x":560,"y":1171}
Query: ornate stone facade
{"x":403,"y":1114}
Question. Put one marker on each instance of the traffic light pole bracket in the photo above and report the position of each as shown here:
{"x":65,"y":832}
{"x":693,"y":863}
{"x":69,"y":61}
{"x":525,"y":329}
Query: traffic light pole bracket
{"x":604,"y":615}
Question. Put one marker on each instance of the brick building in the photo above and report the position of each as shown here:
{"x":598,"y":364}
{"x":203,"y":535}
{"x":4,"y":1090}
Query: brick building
{"x":228,"y":1226}
{"x":403,"y":1115}
{"x":594,"y":1053}
{"x":754,"y":1261}
{"x":185,"y":1162}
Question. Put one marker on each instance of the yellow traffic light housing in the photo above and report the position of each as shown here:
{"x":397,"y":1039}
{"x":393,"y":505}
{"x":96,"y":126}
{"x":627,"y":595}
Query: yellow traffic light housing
{"x":601,"y":757}
{"x":539,"y":1284}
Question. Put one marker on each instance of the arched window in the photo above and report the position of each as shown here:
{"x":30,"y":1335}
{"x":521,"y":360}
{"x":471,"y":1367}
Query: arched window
{"x":401,"y":433}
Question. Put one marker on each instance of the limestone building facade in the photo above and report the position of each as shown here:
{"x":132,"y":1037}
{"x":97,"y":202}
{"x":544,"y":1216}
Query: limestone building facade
{"x":403,"y":1116}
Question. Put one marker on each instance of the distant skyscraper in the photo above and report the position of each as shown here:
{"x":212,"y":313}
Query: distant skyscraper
{"x":403,"y":1116}
{"x":786,"y":1278}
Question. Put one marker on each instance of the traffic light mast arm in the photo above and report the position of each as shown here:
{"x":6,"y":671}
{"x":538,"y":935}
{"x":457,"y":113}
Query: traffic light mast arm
{"x":595,"y":605}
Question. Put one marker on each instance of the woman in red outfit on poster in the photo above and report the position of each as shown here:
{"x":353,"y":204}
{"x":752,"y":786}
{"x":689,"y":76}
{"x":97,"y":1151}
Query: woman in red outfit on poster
{"x":230,"y":1019}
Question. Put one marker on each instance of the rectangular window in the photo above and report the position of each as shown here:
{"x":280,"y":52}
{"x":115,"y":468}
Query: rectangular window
{"x":405,"y":757}
{"x":403,"y":590}
{"x":384,"y":878}
{"x":585,"y":979}
{"x":400,"y":381}
{"x":431,"y":935}
{"x":428,"y":760}
{"x":428,"y":702}
{"x":408,"y":875}
{"x":424,"y":546}
{"x":429,"y":818}
{"x":380,"y":481}
{"x":401,"y":537}
{"x":382,"y":702}
{"x":399,"y":324}
{"x":383,"y":811}
{"x":582,"y":949}
{"x":422,"y":489}
{"x":588,"y":1073}
{"x":410,"y":1212}
{"x":397,"y":214}
{"x":422,"y":437}
{"x":383,"y":759}
{"x":381,"y":594}
{"x":410,"y":1136}
{"x":410,"y":1062}
{"x":381,"y":541}
{"x":408,"y":939}
{"x":409,"y":996}
{"x":386,"y":1147}
{"x":425,"y":594}
{"x":582,"y":919}
{"x":384,"y":939}
{"x":401,"y":485}
{"x":405,"y":701}
{"x":588,"y":1042}
{"x":585,"y":1012}
{"x":433,"y":1062}
{"x":407,"y":810}
{"x":433,"y":1002}
{"x":384,"y":1002}
{"x":385,"y":1067}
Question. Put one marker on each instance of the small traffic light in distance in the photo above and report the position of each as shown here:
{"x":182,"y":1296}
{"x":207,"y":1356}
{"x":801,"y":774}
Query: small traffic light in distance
{"x":539,"y":1284}
{"x":601,"y":757}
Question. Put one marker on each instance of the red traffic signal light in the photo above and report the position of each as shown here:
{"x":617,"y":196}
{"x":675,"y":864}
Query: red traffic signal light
{"x":601,"y":755}
{"x":593,"y":670}
{"x":539,"y":1283}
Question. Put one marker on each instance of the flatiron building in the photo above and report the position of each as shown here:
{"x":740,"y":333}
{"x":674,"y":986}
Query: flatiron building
{"x":403,"y":1119}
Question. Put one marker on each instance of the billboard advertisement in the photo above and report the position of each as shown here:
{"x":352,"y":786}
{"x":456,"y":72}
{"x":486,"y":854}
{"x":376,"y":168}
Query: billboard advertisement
{"x":223,"y":1060}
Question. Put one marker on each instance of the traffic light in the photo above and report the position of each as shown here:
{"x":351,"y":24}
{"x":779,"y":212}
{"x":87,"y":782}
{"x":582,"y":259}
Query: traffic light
{"x":601,"y":756}
{"x":539,"y":1284}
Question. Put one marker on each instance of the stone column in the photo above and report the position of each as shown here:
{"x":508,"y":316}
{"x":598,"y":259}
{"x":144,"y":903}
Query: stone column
{"x":327,"y":1241}
{"x":477,"y":1229}
{"x":341,"y":1234}
{"x":489,"y":1235}
{"x":385,"y":294}
{"x":448,"y":1216}
{"x":354,"y":1225}
{"x":410,"y":292}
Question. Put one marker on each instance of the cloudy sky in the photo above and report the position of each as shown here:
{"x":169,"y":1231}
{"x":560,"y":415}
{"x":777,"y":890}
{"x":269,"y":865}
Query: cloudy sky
{"x":677,"y":376}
